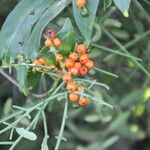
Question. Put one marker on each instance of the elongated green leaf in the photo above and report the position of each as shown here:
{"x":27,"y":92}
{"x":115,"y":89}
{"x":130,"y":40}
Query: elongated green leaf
{"x":44,"y":145}
{"x":123,"y":5}
{"x":53,"y":10}
{"x":120,"y":121}
{"x":21,"y":76}
{"x":67,"y":36}
{"x":85,"y":24}
{"x":21,"y":38}
{"x":13,"y":22}
{"x":7,"y":106}
{"x":26,"y":134}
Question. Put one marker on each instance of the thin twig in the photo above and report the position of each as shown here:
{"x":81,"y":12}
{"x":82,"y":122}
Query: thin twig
{"x":60,"y":136}
{"x":9,"y":78}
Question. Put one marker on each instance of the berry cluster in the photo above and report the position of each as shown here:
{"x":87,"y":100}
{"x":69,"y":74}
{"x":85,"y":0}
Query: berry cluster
{"x":52,"y":40}
{"x":77,"y":63}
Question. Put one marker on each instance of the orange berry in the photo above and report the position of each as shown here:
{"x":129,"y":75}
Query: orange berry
{"x":83,"y":70}
{"x":41,"y":60}
{"x":73,"y":97}
{"x":81,"y":49}
{"x":81,"y":3}
{"x":45,"y":70}
{"x":59,"y":57}
{"x":36,"y":62}
{"x":84,"y":58}
{"x":89,"y":64}
{"x":71,"y":87}
{"x":67,"y":77}
{"x":83,"y":101}
{"x":52,"y":66}
{"x":57,"y":42}
{"x":74,"y":56}
{"x":50,"y":34}
{"x":77,"y":65}
{"x":48,"y":43}
{"x":69,"y":63}
{"x":74,"y":71}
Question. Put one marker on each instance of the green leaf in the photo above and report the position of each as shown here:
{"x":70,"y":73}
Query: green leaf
{"x":20,"y":41}
{"x":120,"y":121}
{"x":92,"y":118}
{"x":123,"y":5}
{"x":48,"y":55}
{"x":44,"y":145}
{"x":53,"y":10}
{"x":21,"y":76}
{"x":26,"y":134}
{"x":9,"y":29}
{"x":7,"y":106}
{"x":85,"y":24}
{"x":108,"y":2}
{"x":68,"y":37}
{"x":110,"y":141}
{"x":32,"y":79}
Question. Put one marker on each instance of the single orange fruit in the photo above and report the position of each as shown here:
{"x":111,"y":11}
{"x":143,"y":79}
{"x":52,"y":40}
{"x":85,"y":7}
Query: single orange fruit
{"x":74,"y":56}
{"x":81,"y":3}
{"x":71,"y":87}
{"x":48,"y":43}
{"x":89,"y":64}
{"x":69,"y":63}
{"x":59,"y":57}
{"x":84,"y":58}
{"x":83,"y":101}
{"x":81,"y":49}
{"x":57,"y":42}
{"x":83,"y":70}
{"x":73,"y":97}
{"x":67,"y":77}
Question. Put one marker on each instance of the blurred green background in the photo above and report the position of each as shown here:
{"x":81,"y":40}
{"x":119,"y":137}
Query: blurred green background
{"x":127,"y":127}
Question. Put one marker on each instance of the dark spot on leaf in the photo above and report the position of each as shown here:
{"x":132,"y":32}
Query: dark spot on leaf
{"x":32,"y":12}
{"x":21,"y":43}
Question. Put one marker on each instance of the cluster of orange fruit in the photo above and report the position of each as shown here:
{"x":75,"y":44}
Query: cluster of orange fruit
{"x":76,"y":63}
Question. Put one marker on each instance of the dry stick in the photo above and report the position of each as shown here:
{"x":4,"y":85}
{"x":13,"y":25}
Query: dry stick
{"x":9,"y":78}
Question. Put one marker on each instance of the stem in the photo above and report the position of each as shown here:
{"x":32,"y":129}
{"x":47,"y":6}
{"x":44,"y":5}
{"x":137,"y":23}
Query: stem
{"x":131,"y":43}
{"x":106,"y":72}
{"x":142,"y":10}
{"x":45,"y":124}
{"x":93,"y":82}
{"x":60,"y":136}
{"x":116,"y":52}
{"x":6,"y":143}
{"x":125,"y":50}
{"x":29,"y":110}
{"x":11,"y":116}
{"x":9,"y":78}
{"x":20,"y":137}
